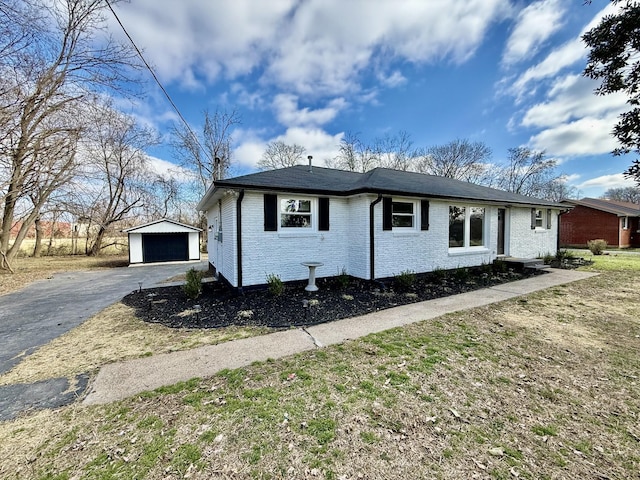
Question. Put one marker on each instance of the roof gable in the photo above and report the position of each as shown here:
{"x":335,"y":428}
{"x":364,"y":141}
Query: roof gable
{"x":327,"y":181}
{"x":163,"y":225}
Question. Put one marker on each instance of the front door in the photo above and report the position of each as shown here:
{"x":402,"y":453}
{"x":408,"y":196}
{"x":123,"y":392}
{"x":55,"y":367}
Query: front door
{"x":502,"y":213}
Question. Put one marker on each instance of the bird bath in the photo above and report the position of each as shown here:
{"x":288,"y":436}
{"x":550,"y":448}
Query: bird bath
{"x":312,"y":287}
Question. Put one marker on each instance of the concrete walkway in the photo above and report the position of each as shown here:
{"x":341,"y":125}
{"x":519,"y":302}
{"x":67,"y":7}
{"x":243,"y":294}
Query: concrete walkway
{"x":121,"y":380}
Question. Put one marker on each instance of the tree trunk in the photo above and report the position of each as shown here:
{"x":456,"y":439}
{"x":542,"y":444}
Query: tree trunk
{"x":37,"y":248}
{"x":94,"y":251}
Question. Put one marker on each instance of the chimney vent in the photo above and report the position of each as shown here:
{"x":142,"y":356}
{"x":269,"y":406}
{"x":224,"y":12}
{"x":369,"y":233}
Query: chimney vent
{"x":310,"y":166}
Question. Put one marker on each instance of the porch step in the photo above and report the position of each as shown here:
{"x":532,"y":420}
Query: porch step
{"x":525,"y":263}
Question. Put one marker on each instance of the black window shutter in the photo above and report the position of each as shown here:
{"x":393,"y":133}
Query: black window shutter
{"x":549,"y":219}
{"x":533,"y":219}
{"x":323,"y":214}
{"x":387,"y":217}
{"x":424,"y":215}
{"x":270,"y":212}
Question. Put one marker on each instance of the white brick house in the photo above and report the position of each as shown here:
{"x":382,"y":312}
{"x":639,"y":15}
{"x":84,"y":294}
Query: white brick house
{"x":371,"y":225}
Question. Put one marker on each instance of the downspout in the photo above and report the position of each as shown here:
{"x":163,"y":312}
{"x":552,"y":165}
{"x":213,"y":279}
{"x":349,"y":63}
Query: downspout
{"x":372,"y":253}
{"x":239,"y":237}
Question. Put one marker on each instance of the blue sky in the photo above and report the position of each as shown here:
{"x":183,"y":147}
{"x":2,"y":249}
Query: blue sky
{"x":506,"y":73}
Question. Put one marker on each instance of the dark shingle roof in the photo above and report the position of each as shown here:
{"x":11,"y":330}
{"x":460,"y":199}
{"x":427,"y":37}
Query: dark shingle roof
{"x":327,"y":181}
{"x":625,"y":209}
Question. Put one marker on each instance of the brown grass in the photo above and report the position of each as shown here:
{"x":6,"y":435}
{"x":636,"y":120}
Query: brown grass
{"x":545,"y":386}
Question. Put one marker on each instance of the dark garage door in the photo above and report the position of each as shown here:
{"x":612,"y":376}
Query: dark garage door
{"x":165,"y":247}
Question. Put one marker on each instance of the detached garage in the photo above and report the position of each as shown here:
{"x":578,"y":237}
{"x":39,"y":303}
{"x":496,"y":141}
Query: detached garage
{"x":163,"y":241}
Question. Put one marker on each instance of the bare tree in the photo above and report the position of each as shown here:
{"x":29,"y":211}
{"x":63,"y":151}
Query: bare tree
{"x":279,"y":154}
{"x":209,"y":155}
{"x":459,"y":159}
{"x":118,"y":177}
{"x":354,"y":155}
{"x":395,"y":151}
{"x":44,"y":79}
{"x":528,"y":173}
{"x":623,"y":194}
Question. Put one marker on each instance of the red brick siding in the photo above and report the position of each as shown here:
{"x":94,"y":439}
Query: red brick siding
{"x":582,"y":224}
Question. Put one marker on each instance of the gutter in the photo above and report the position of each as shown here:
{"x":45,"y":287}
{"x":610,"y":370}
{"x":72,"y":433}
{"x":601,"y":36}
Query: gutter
{"x":372,"y":256}
{"x":239,"y":237}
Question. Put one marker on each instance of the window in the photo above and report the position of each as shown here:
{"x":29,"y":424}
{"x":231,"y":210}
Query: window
{"x":456,"y":226}
{"x":625,"y":222}
{"x":295,"y":213}
{"x":540,"y":218}
{"x":402,"y":214}
{"x":476,"y":227}
{"x":466,"y":226}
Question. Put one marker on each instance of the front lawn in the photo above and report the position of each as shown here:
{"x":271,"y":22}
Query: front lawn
{"x":541,"y":386}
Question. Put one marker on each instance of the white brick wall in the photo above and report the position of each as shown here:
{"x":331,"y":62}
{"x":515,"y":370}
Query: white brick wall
{"x":346,"y":244}
{"x":281,"y":253}
{"x":527,"y":243}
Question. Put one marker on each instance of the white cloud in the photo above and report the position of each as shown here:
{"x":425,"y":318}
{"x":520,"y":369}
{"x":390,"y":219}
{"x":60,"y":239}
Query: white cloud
{"x":617,"y":180}
{"x":586,"y":136}
{"x":167,"y":169}
{"x":288,"y":113}
{"x":572,"y":97}
{"x":317,"y":143}
{"x":535,"y":24}
{"x":317,"y":47}
{"x":557,"y":60}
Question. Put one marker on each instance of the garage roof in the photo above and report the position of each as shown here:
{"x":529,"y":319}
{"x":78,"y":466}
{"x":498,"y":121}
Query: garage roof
{"x":163,"y":225}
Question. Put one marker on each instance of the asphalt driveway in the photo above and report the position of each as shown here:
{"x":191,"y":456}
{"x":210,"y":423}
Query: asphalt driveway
{"x":46,"y":309}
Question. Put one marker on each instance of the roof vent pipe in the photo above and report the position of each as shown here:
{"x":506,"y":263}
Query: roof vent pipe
{"x":310,"y":167}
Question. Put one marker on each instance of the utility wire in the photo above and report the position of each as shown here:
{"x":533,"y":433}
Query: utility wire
{"x":153,"y":74}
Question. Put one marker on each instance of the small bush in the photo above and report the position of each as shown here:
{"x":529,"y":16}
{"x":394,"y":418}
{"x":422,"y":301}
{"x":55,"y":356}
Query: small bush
{"x":276,"y":287}
{"x":564,"y":255}
{"x":405,"y":280}
{"x":500,"y":266}
{"x":193,"y":287}
{"x":548,"y":258}
{"x":343,"y":278}
{"x":462,"y":274}
{"x":439,"y":274}
{"x":597,"y":246}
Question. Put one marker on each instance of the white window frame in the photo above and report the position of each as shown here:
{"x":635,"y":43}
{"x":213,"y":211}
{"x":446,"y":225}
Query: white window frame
{"x":312,"y":213}
{"x":467,"y":247}
{"x":542,"y":219}
{"x":413,"y":215}
{"x":625,"y":223}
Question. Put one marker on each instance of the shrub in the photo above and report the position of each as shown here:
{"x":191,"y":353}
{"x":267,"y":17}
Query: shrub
{"x":563,"y":255}
{"x":193,"y":287}
{"x":343,"y":278}
{"x":548,"y":258}
{"x":405,"y":279}
{"x":500,"y":266}
{"x":462,"y":274}
{"x":597,"y":246}
{"x":439,"y":274}
{"x":276,"y":287}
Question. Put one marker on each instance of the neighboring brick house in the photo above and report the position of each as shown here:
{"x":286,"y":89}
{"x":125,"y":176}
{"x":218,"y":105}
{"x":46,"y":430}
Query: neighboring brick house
{"x":371,"y":225}
{"x":594,"y":218}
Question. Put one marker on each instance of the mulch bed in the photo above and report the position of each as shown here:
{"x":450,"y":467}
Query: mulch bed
{"x":338,"y":297}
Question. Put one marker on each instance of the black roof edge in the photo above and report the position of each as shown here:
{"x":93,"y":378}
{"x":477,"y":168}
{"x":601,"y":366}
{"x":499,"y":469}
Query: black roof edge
{"x":375,"y":191}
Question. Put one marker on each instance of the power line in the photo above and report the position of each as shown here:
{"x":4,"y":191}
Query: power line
{"x":153,"y":74}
